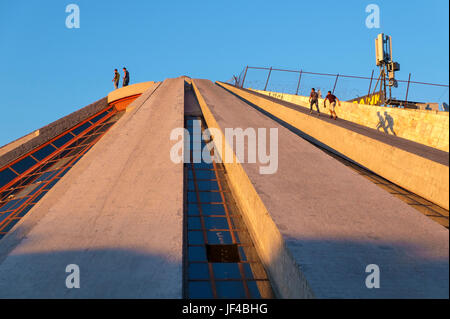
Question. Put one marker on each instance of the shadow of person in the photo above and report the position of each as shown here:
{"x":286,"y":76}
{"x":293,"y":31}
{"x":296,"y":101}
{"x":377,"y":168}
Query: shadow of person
{"x":381,"y":123}
{"x":390,"y":123}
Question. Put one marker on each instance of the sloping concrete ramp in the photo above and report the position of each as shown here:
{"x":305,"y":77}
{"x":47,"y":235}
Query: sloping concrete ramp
{"x":117,"y":215}
{"x":317,"y":224}
{"x":418,"y":168}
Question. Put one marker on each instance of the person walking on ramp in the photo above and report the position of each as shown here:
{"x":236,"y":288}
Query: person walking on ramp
{"x":126,"y":77}
{"x":314,"y":99}
{"x":332,"y":98}
{"x":116,"y":78}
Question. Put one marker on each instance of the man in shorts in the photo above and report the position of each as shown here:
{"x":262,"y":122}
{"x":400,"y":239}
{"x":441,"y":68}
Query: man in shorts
{"x":332,"y":98}
{"x":314,"y":99}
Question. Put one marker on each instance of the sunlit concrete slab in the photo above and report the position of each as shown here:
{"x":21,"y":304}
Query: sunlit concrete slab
{"x":317,"y":224}
{"x":418,"y":168}
{"x":117,"y":214}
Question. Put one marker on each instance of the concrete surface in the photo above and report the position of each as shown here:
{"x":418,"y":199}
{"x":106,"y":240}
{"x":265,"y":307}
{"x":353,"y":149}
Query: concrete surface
{"x":129,"y":90}
{"x":420,"y":169}
{"x":117,"y":214}
{"x":427,"y":127}
{"x":317,"y":224}
{"x":16,"y":143}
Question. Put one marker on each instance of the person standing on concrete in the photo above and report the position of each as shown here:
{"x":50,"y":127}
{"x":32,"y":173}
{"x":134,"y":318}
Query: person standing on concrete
{"x":332,"y":98}
{"x":314,"y":99}
{"x":126,"y":77}
{"x":116,"y":78}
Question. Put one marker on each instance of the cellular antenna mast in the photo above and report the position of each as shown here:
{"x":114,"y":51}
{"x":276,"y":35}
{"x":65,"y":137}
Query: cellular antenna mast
{"x":383,"y":54}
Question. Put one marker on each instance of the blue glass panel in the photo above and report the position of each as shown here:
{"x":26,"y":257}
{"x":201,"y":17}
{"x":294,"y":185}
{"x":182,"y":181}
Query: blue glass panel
{"x":192,"y":197}
{"x":230,"y":289}
{"x":195,"y":238}
{"x":9,"y":205}
{"x":200,"y":289}
{"x":210,"y":197}
{"x":81,"y":128}
{"x":99,"y":117}
{"x":207,"y":185}
{"x":10,"y":225}
{"x":6,"y":176}
{"x":203,"y":174}
{"x":194,"y":223}
{"x":23,"y":164}
{"x":193,"y":209}
{"x":3,"y":216}
{"x":197,"y":253}
{"x":216,"y":223}
{"x":19,"y":203}
{"x":226,"y":271}
{"x":63,"y":140}
{"x":44,"y":152}
{"x":213,"y":209}
{"x":198,"y":271}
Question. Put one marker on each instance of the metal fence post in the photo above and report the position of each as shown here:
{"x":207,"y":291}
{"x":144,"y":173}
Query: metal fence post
{"x":299,"y":79}
{"x":268,"y":76}
{"x":335,"y":82}
{"x":407,"y":90}
{"x":370,"y":86}
{"x":245,"y":74}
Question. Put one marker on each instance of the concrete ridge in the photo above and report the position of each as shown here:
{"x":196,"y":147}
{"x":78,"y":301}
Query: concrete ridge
{"x":52,"y":130}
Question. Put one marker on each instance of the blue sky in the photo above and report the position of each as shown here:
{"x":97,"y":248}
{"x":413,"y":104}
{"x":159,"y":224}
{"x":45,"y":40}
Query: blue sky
{"x":49,"y":71}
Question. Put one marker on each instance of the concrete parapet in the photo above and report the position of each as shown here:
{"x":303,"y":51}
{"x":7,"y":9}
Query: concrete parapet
{"x":426,"y":127}
{"x":130,"y":90}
